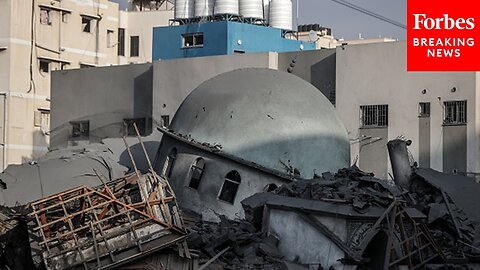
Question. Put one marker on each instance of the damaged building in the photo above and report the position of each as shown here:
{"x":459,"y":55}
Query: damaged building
{"x":244,"y":129}
{"x":258,"y":162}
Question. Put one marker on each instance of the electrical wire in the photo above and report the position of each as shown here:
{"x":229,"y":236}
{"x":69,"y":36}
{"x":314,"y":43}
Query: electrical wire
{"x":370,"y":13}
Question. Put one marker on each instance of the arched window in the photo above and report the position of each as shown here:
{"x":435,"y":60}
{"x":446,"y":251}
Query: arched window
{"x":169,"y":162}
{"x":230,"y":187}
{"x":197,"y":168}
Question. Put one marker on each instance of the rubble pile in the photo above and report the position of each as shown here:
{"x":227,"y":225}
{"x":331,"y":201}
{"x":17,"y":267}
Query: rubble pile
{"x":348,"y":185}
{"x":454,"y":231}
{"x":14,"y":243}
{"x":238,"y":243}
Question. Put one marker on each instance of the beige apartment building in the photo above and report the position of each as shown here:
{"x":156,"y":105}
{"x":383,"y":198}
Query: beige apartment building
{"x":39,"y":36}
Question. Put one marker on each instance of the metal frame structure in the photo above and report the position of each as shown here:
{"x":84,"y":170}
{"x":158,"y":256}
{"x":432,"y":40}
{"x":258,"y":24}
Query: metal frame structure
{"x":107,"y":226}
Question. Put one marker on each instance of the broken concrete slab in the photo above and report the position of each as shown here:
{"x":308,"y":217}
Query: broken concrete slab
{"x":57,"y":171}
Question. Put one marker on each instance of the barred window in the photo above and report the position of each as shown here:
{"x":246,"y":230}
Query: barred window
{"x":374,"y":116}
{"x":424,"y":109}
{"x":455,"y":112}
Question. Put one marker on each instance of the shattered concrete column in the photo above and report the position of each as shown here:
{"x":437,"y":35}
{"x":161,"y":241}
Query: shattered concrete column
{"x":397,"y":150}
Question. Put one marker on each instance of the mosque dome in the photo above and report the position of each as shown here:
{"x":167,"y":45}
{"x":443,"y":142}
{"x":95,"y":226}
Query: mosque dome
{"x":269,"y":117}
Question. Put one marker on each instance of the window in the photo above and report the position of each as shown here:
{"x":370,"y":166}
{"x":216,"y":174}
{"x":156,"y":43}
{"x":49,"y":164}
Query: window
{"x":238,"y":51}
{"x":42,"y":118}
{"x":45,"y":16}
{"x":424,"y":109}
{"x":130,"y":129}
{"x":80,"y":129}
{"x":192,"y":40}
{"x":165,"y":120}
{"x":169,"y":162}
{"x":110,"y":42}
{"x":230,"y":187}
{"x":197,"y":172}
{"x":455,"y":112}
{"x":121,"y":42}
{"x":86,"y":24}
{"x":374,"y":116}
{"x":134,"y":46}
{"x":44,"y":66}
{"x":65,"y":16}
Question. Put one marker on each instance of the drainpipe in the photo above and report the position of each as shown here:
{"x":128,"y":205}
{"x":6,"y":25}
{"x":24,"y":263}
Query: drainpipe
{"x":5,"y":126}
{"x":402,"y":171}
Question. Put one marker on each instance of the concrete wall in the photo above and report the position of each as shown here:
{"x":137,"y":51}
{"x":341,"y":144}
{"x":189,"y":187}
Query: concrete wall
{"x":376,"y":74}
{"x":222,"y":37}
{"x":299,"y":240}
{"x":205,"y":199}
{"x":316,"y":67}
{"x":373,"y":154}
{"x":454,"y":148}
{"x":175,"y":79}
{"x":424,"y":141}
{"x":104,"y":96}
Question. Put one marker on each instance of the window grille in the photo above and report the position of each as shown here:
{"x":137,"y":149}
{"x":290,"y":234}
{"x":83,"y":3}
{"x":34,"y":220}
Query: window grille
{"x":374,"y":116}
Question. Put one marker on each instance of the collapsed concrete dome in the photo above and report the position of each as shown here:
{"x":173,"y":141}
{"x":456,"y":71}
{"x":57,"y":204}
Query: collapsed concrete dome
{"x":268,"y":117}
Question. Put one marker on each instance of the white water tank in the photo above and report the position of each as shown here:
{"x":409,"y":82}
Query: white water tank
{"x":184,"y":9}
{"x":204,"y":8}
{"x":281,"y":14}
{"x":251,"y":8}
{"x":266,"y":9}
{"x":226,"y":7}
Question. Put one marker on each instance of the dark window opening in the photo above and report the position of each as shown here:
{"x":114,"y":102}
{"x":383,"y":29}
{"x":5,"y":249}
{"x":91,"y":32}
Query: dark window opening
{"x":165,"y":120}
{"x":197,"y":172}
{"x":44,"y":66}
{"x":374,"y":116}
{"x":45,"y":17}
{"x":455,"y":112}
{"x":169,"y":163}
{"x":121,"y":42}
{"x":143,"y":125}
{"x":230,"y":187}
{"x":80,"y":129}
{"x":134,"y":46}
{"x":239,"y":51}
{"x":86,"y":24}
{"x":424,"y":109}
{"x":192,"y":40}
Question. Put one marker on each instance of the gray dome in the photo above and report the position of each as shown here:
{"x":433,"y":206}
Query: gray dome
{"x":269,"y":117}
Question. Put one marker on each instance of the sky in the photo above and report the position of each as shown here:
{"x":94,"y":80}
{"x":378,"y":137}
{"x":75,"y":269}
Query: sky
{"x":348,"y":23}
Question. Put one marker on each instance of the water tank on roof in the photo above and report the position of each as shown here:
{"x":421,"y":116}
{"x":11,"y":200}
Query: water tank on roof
{"x":266,"y":9}
{"x":204,"y":8}
{"x":226,"y":7}
{"x":184,"y":9}
{"x":281,"y":14}
{"x":251,"y":8}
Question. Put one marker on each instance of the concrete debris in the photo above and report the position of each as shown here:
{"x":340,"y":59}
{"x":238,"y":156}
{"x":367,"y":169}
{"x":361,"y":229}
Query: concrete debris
{"x":240,"y":244}
{"x":350,"y":185}
{"x":102,"y":228}
{"x":57,"y":171}
{"x":450,"y":202}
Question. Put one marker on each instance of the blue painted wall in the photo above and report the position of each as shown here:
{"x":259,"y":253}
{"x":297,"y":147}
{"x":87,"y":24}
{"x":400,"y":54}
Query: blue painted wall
{"x":220,"y":38}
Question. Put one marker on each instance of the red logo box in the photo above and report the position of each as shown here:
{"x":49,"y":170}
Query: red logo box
{"x":443,"y":35}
